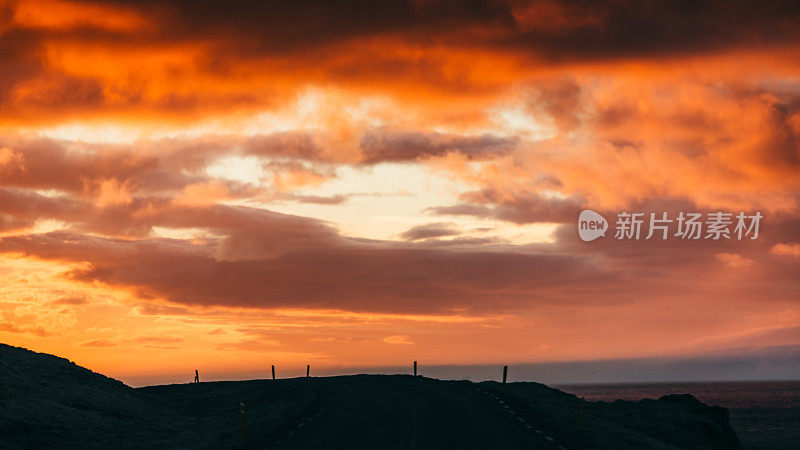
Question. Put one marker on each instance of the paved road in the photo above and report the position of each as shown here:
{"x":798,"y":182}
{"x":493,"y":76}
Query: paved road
{"x":404,"y":412}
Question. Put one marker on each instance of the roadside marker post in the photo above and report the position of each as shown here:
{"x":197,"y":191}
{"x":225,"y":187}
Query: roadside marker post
{"x":505,"y":374}
{"x":241,"y":419}
{"x":273,"y":371}
{"x":308,"y":370}
{"x":415,"y":368}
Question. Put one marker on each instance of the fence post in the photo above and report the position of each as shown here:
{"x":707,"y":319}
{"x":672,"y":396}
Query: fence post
{"x":415,"y":368}
{"x":273,"y":371}
{"x":505,"y":374}
{"x":308,"y":370}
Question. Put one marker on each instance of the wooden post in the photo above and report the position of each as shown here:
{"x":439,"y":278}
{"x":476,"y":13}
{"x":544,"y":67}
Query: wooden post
{"x":273,"y":371}
{"x":415,"y":368}
{"x":505,"y":374}
{"x":241,"y":419}
{"x":308,"y":370}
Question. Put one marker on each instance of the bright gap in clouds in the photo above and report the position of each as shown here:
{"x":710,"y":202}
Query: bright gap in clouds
{"x":383,"y":201}
{"x":246,"y":169}
{"x":516,"y":120}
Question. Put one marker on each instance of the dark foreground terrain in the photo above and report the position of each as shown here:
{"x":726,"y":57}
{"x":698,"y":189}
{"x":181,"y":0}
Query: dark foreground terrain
{"x":765,"y":414}
{"x":49,"y":402}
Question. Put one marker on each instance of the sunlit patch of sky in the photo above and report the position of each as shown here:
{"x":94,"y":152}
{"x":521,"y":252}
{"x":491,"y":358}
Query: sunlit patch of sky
{"x":516,"y":120}
{"x":314,"y":108}
{"x":385,"y":200}
{"x":246,"y":169}
{"x":48,"y":225}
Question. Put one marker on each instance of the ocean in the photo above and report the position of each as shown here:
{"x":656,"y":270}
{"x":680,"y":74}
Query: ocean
{"x":765,"y":414}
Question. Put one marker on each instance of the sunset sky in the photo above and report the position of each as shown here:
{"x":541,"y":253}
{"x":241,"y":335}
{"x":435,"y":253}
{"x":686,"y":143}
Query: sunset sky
{"x":366,"y":183}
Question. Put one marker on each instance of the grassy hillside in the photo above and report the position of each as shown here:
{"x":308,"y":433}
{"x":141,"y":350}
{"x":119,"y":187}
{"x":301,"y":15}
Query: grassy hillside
{"x":49,"y":402}
{"x":673,"y":421}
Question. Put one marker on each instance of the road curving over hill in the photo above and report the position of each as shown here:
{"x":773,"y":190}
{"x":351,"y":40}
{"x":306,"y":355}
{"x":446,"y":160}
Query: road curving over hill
{"x":410,"y":413}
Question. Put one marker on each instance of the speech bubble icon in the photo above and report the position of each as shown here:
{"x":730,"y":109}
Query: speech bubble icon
{"x":591,"y":225}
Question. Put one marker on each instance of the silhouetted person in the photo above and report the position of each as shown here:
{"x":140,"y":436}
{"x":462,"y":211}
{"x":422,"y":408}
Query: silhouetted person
{"x":196,"y":376}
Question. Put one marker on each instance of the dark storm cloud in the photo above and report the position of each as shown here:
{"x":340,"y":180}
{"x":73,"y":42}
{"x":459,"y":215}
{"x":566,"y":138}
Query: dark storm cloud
{"x":297,"y":144}
{"x":517,"y":208}
{"x":378,"y":278}
{"x":558,"y":29}
{"x":391,"y":146}
{"x":317,"y":199}
{"x":634,"y":28}
{"x":48,"y":164}
{"x":430,"y":230}
{"x":462,"y":209}
{"x":259,"y":55}
{"x":263,"y":259}
{"x":279,"y":27}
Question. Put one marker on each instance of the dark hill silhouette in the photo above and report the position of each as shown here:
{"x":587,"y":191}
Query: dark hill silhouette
{"x":57,"y":404}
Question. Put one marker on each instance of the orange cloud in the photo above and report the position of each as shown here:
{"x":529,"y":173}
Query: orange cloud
{"x":787,"y":249}
{"x":733,"y":260}
{"x":63,"y":15}
{"x":143,"y":145}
